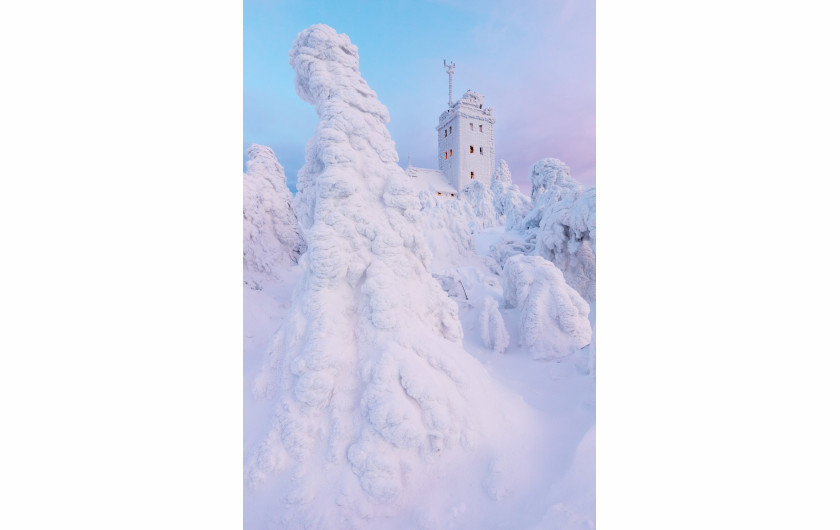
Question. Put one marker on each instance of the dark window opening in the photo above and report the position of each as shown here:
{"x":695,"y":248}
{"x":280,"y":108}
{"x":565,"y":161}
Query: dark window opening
{"x":481,"y":150}
{"x":450,"y":152}
{"x":472,"y":174}
{"x":481,"y":128}
{"x":472,"y":149}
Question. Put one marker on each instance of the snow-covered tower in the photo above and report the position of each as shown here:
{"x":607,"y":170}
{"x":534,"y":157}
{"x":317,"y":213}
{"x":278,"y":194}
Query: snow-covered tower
{"x":466,"y":144}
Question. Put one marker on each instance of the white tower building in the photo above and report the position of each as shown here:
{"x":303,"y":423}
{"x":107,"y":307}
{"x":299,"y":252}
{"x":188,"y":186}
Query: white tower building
{"x":466,"y":143}
{"x":466,"y":146}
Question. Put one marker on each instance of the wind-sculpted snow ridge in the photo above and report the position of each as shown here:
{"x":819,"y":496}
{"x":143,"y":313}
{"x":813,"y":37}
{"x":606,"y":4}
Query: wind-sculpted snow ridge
{"x":376,"y":400}
{"x":480,"y":198}
{"x":271,"y":236}
{"x":554,"y":317}
{"x":510,"y":203}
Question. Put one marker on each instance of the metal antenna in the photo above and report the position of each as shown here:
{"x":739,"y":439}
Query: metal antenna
{"x":450,"y":69}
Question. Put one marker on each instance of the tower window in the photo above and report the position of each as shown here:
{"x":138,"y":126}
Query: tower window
{"x":445,"y":133}
{"x":445,"y":155}
{"x":472,"y":174}
{"x":471,"y":127}
{"x":451,"y":194}
{"x":438,"y":193}
{"x":481,"y":150}
{"x":450,"y":129}
{"x":472,"y":149}
{"x":450,"y":152}
{"x":481,"y":128}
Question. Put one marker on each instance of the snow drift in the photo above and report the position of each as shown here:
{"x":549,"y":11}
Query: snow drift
{"x":374,"y":394}
{"x":271,"y":235}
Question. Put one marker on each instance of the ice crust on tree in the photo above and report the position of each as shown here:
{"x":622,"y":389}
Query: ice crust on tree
{"x":447,"y":230}
{"x":480,"y":198}
{"x":373,"y":390}
{"x":566,"y":237}
{"x":562,"y":223}
{"x":510,"y":204}
{"x":271,"y":235}
{"x":554,"y":317}
{"x":493,"y":330}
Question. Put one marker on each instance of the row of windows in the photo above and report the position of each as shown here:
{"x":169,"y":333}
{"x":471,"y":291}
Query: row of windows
{"x":446,"y":154}
{"x":447,"y":132}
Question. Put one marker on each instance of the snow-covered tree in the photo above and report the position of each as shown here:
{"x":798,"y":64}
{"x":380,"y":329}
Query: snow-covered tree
{"x":271,"y":235}
{"x":554,"y":319}
{"x":493,"y":330}
{"x":551,"y":182}
{"x":371,"y":382}
{"x":566,"y":237}
{"x":446,"y":225}
{"x":510,"y":204}
{"x":480,"y":198}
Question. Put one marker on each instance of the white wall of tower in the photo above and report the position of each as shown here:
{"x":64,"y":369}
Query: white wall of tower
{"x":466,"y":131}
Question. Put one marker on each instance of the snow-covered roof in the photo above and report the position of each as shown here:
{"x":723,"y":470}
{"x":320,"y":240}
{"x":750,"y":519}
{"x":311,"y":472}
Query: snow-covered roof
{"x":423,"y":179}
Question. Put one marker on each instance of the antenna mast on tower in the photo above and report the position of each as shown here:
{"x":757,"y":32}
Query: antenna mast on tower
{"x":450,"y":69}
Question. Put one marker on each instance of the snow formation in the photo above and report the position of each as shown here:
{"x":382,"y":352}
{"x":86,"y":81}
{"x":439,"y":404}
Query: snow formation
{"x":510,"y":203}
{"x":554,"y":317}
{"x":374,"y":393}
{"x":271,"y":237}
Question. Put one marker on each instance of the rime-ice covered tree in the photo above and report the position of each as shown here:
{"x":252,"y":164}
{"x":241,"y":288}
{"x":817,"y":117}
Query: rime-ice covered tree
{"x":447,"y":228}
{"x":510,"y":203}
{"x":554,"y":317}
{"x":566,"y":237}
{"x":480,"y":198}
{"x":271,"y":235}
{"x":368,"y":374}
{"x":551,"y":181}
{"x":562,"y":223}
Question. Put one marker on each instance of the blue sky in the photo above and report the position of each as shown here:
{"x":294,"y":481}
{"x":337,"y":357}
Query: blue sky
{"x":534,"y":61}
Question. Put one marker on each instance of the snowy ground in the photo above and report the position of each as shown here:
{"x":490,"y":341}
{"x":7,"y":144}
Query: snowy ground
{"x":553,"y":480}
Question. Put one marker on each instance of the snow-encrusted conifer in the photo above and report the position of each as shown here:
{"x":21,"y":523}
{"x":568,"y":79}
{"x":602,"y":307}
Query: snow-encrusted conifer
{"x":368,"y":373}
{"x":510,"y":203}
{"x":566,"y":237}
{"x":447,"y":227}
{"x":480,"y":198}
{"x":271,"y":235}
{"x":554,"y":317}
{"x":493,"y":330}
{"x":551,"y":182}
